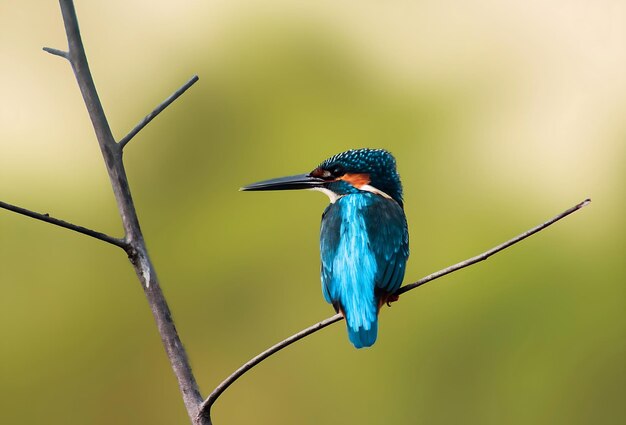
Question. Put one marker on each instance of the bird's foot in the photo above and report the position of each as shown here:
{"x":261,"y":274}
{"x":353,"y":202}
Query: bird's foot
{"x":387,"y":299}
{"x":392,"y":298}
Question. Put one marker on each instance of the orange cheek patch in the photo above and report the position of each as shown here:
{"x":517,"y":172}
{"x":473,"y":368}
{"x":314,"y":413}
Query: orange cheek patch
{"x":357,"y":180}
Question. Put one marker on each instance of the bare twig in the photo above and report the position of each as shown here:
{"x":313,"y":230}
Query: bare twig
{"x":494,"y":250}
{"x":137,"y":250}
{"x":56,"y":52}
{"x":157,"y":111}
{"x":206,"y":405}
{"x":80,"y":229}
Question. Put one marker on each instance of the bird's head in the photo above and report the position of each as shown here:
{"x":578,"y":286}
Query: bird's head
{"x":353,"y":171}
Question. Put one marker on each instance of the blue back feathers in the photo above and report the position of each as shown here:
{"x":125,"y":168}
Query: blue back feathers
{"x":363,"y":242}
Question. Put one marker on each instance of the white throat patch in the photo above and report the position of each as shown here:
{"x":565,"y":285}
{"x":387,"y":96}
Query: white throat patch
{"x":372,"y":189}
{"x":331,"y":195}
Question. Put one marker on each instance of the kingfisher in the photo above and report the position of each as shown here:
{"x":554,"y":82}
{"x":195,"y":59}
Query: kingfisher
{"x":364,"y":237}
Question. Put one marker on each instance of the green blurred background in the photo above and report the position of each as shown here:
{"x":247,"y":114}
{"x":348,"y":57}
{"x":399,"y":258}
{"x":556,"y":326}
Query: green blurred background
{"x":501,"y":114}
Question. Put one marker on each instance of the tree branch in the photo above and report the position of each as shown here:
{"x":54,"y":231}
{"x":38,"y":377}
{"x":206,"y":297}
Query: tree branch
{"x":157,"y":111}
{"x":210,"y":400}
{"x":494,"y":250}
{"x":80,"y":229}
{"x":137,"y":250}
{"x":206,"y":405}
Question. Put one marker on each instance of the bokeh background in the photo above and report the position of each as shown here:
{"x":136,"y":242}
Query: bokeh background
{"x":501,"y":114}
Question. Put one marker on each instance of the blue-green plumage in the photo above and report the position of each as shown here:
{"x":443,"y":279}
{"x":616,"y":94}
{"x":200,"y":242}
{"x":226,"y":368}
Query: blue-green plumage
{"x":364,"y":242}
{"x":364,"y":247}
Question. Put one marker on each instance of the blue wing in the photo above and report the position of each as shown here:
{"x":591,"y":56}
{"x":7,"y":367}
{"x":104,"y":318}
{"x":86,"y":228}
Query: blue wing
{"x":389,"y":240}
{"x":329,"y":242}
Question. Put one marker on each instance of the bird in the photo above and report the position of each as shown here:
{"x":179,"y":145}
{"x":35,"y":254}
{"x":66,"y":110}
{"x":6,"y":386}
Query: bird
{"x":364,"y":237}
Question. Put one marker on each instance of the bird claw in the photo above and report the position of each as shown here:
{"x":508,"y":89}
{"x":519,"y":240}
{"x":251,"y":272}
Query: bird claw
{"x":392,"y":299}
{"x":387,"y":299}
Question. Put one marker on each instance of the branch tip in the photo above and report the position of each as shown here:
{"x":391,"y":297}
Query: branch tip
{"x":156,"y":111}
{"x":56,"y":52}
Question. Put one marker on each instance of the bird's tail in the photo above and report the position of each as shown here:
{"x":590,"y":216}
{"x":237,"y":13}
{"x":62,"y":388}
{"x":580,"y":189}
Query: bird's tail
{"x":361,"y":337}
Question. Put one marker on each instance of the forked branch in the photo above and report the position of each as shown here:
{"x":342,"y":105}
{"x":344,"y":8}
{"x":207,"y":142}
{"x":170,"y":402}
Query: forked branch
{"x":134,"y":243}
{"x":206,"y":405}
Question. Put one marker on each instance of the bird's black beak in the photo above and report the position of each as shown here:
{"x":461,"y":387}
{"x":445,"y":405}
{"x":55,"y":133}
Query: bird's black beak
{"x":301,"y":181}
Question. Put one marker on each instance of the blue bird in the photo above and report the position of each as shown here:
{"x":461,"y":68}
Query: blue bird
{"x":364,"y":238}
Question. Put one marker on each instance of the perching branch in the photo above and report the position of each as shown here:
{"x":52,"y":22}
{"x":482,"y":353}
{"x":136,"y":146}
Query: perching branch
{"x":80,"y":229}
{"x":494,"y":250}
{"x":157,"y":111}
{"x":134,"y":243}
{"x":206,"y":405}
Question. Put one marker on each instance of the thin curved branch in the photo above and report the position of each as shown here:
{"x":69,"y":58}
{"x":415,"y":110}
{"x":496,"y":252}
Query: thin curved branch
{"x":210,"y":400}
{"x":61,"y":223}
{"x":206,"y":405}
{"x":144,"y":122}
{"x":494,"y":250}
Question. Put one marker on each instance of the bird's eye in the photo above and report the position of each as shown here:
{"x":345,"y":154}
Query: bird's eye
{"x":337,"y":170}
